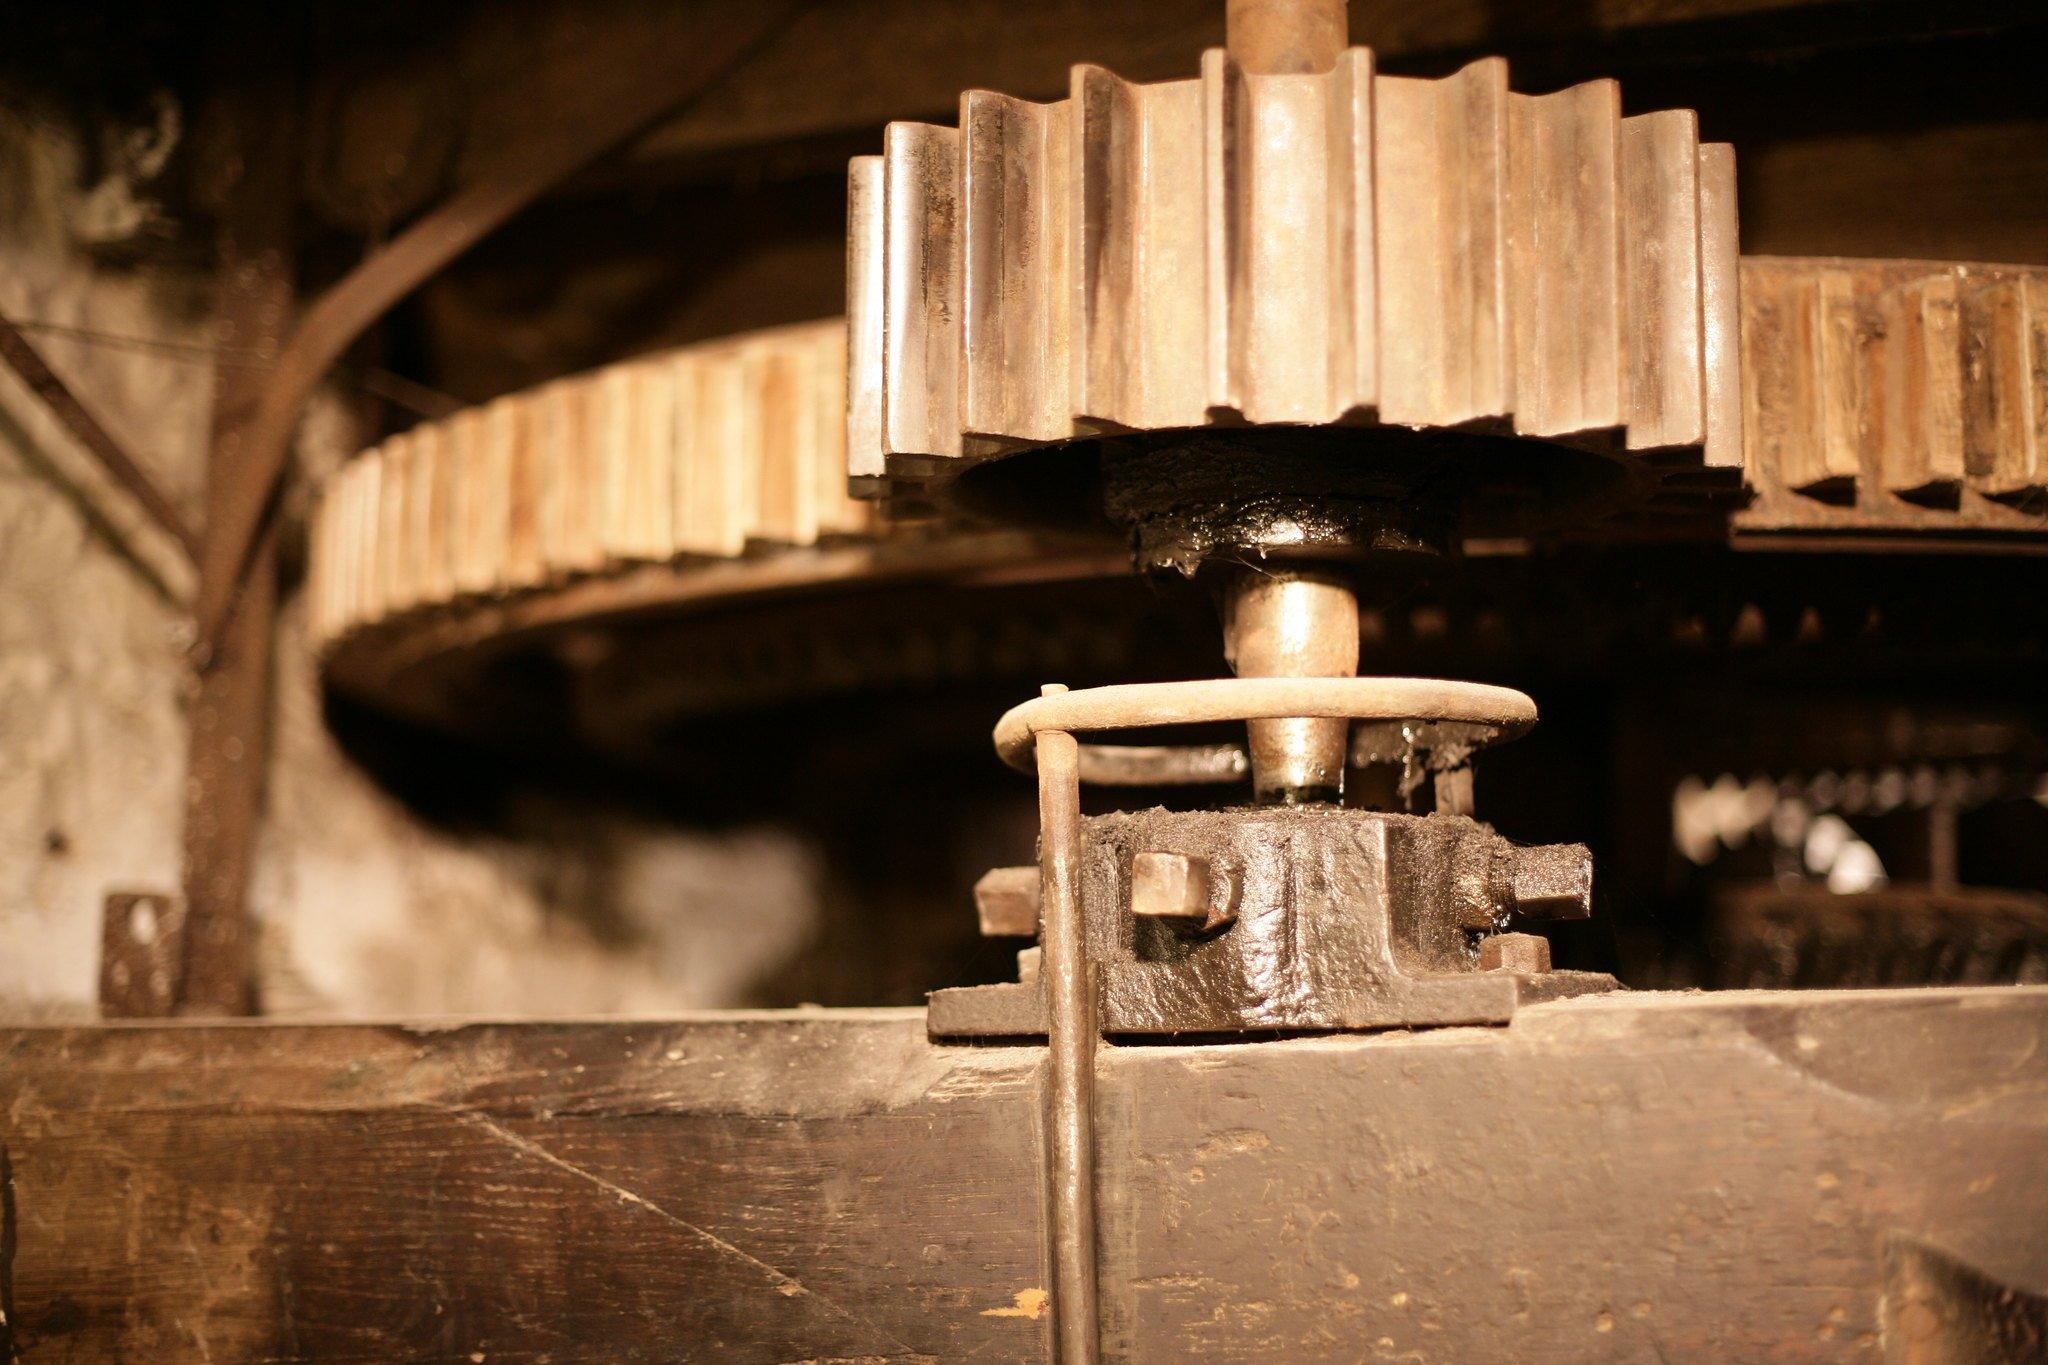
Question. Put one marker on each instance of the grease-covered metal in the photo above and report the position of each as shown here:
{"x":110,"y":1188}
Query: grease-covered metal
{"x":1342,"y":919}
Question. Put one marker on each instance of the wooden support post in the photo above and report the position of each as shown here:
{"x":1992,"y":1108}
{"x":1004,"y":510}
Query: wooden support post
{"x":229,"y":741}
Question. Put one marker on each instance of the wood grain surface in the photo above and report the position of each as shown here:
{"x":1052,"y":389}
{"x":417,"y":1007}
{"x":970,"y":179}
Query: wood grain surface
{"x":1639,"y":1176}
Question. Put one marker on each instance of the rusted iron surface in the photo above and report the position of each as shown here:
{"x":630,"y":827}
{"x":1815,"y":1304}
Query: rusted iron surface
{"x":1006,"y":901}
{"x":1337,"y":919}
{"x":1621,"y":1178}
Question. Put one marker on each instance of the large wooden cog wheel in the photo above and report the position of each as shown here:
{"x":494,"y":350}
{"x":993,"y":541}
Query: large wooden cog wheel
{"x":697,"y":456}
{"x":1908,"y":399}
{"x":1300,"y":249}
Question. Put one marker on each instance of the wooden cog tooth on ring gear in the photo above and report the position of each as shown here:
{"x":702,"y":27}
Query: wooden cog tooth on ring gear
{"x":1903,"y":396}
{"x":1895,"y":395}
{"x":1924,"y":406}
{"x":699,"y":454}
{"x":1291,"y":249}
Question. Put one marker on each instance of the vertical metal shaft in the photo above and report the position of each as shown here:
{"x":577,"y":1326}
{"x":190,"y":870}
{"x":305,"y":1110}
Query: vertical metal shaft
{"x":1071,"y":1041}
{"x":1282,"y":37}
{"x":1293,"y":623}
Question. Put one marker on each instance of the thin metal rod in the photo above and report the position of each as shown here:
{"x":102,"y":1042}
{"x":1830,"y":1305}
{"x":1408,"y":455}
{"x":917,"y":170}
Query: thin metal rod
{"x":28,"y":362}
{"x":1071,"y":1042}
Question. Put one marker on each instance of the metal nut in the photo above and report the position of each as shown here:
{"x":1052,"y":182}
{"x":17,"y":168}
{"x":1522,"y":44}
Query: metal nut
{"x":1522,"y":954}
{"x":1006,"y":900}
{"x":1179,"y":887}
{"x":1553,"y":881}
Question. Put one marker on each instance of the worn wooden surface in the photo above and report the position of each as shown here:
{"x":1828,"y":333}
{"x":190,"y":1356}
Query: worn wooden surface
{"x":228,"y":741}
{"x":1686,"y":1177}
{"x":694,"y":454}
{"x":1894,"y":396}
{"x":1242,"y":247}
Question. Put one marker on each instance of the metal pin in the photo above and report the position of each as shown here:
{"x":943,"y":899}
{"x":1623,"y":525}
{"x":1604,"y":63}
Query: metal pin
{"x":1071,"y":1041}
{"x":1293,"y":623}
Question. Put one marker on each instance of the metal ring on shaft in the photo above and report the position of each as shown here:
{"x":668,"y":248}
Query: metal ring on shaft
{"x":1130,"y":706}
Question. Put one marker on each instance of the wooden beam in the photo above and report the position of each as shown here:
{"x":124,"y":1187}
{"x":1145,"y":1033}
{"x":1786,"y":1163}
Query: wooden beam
{"x":228,"y":746}
{"x":111,"y":456}
{"x":1732,"y":1177}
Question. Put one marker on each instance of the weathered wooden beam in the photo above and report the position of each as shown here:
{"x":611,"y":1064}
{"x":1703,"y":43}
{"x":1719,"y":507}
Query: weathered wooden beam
{"x":111,"y":456}
{"x":228,"y":744}
{"x":1742,"y":1176}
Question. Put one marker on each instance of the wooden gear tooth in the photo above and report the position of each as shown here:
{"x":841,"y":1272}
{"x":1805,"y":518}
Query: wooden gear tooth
{"x":1290,"y":249}
{"x":696,"y":454}
{"x":1869,"y":394}
{"x":2004,"y":320}
{"x":1895,"y":395}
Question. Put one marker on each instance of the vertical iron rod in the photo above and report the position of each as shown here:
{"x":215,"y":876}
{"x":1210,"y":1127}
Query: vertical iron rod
{"x":1071,"y":1041}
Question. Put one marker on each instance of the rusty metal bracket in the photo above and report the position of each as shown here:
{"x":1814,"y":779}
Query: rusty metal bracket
{"x":142,"y":955}
{"x":27,"y":362}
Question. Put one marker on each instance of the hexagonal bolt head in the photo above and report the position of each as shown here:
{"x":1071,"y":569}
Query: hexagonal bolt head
{"x":1176,"y":886}
{"x":1006,"y":900}
{"x":1553,"y":881}
{"x":1522,"y":954}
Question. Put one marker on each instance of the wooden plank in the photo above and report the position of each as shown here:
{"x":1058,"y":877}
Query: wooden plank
{"x":1280,"y":305}
{"x":1917,"y":394}
{"x":228,"y":739}
{"x":516,"y":421}
{"x":784,"y":514}
{"x":1696,"y":1177}
{"x":1356,"y":296}
{"x":1843,"y":345}
{"x":1914,"y":385}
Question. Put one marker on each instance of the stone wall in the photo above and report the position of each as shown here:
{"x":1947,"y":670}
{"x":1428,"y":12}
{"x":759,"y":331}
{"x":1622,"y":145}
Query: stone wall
{"x":365,"y":909}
